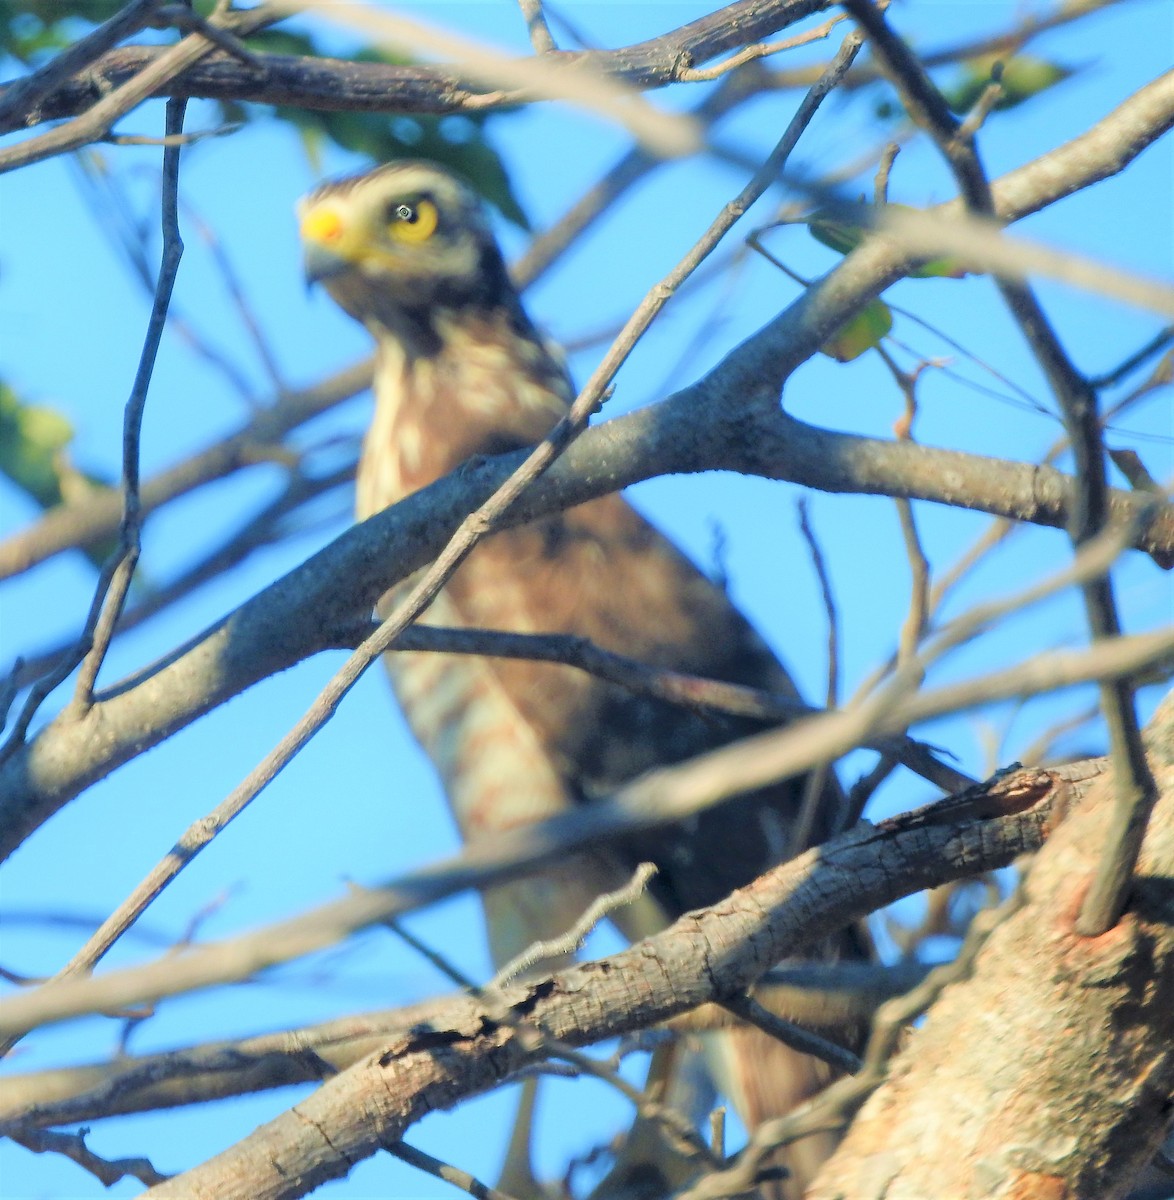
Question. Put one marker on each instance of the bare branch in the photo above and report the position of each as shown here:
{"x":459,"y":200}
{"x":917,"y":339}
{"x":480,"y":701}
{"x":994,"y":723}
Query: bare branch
{"x":728,"y":420}
{"x":666,"y":134}
{"x":1137,"y":792}
{"x":821,"y":995}
{"x":574,"y":938}
{"x":132,"y":513}
{"x":333,"y":85}
{"x":442,"y":1170}
{"x":657,"y":799}
{"x":116,"y":102}
{"x":790,"y":1034}
{"x":73,"y":1146}
{"x":540,"y":36}
{"x":661,"y":976}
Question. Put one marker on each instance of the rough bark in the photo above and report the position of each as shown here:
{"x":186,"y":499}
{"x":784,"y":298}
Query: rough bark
{"x":708,"y":955}
{"x":1050,"y":1071}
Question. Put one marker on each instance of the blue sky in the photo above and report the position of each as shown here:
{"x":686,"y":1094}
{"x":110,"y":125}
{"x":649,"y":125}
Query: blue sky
{"x":359,"y":804}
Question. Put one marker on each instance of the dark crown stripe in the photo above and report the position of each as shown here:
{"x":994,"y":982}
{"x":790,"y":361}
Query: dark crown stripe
{"x":348,"y":183}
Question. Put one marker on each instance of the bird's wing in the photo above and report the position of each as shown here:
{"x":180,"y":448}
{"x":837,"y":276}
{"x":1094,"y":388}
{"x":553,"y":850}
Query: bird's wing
{"x":600,"y":571}
{"x":497,"y":776}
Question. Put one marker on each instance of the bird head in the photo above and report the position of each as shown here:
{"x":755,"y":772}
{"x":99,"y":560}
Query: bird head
{"x":400,"y":241}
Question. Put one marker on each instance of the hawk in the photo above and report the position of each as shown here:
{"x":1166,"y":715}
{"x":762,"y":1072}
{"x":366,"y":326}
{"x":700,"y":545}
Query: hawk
{"x":406,"y":250}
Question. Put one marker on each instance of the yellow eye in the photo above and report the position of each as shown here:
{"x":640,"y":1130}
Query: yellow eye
{"x":414,"y":223}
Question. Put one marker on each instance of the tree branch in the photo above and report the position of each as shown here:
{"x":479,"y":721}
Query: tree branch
{"x":336,"y":85}
{"x":83,"y":523}
{"x":728,"y":420}
{"x":648,"y":804}
{"x":709,"y":955}
{"x":820,"y":995}
{"x":1036,"y":980}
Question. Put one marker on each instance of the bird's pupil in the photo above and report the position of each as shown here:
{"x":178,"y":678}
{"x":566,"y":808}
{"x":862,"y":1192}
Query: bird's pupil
{"x":405,"y":212}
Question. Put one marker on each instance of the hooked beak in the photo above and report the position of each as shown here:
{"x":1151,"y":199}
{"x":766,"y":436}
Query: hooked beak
{"x":323,"y":239}
{"x":320,"y":262}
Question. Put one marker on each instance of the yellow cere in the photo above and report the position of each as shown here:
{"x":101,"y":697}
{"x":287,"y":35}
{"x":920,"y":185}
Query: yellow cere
{"x":322,"y":225}
{"x":417,"y":227}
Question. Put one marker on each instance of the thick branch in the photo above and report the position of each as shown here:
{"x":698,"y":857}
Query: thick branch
{"x":707,"y":956}
{"x":998,"y":1060}
{"x":829,"y":996}
{"x":337,"y":85}
{"x":729,"y":420}
{"x":297,"y":616}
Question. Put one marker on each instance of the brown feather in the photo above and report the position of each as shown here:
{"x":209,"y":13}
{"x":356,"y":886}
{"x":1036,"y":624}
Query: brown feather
{"x":516,"y":741}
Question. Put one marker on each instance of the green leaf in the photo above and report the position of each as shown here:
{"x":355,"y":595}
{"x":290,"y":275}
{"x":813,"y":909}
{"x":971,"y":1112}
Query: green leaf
{"x":834,"y":232}
{"x":864,"y":331}
{"x":33,"y":452}
{"x":31,"y":440}
{"x":1021,"y":76}
{"x":844,"y":236}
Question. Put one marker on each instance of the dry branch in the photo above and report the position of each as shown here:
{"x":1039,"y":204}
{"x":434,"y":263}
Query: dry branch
{"x":328,"y":84}
{"x":820,"y":995}
{"x":709,"y":955}
{"x":1050,"y":1072}
{"x":729,"y":420}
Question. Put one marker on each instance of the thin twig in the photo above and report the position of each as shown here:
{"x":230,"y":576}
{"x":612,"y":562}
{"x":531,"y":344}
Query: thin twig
{"x":814,"y":785}
{"x":232,"y":282}
{"x":416,"y":1157}
{"x":1135,"y":786}
{"x":863,"y":790}
{"x":831,"y":611}
{"x":570,"y":941}
{"x":108,"y":199}
{"x":758,"y":50}
{"x":540,"y":36}
{"x":115,"y":577}
{"x":175,"y":139}
{"x":440,"y":961}
{"x":790,"y":1034}
{"x":549,"y":245}
{"x":1158,"y":343}
{"x":685,"y":1138}
{"x":132,"y":423}
{"x":190,"y":21}
{"x":73,"y":1146}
